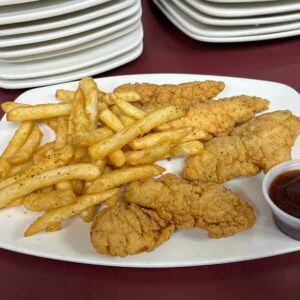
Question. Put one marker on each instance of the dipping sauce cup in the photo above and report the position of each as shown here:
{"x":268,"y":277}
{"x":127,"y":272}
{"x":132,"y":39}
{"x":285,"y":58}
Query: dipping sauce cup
{"x":287,"y":223}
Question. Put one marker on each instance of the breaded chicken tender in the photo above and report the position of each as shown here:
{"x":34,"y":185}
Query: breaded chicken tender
{"x":185,"y":94}
{"x":220,"y":116}
{"x":209,"y":206}
{"x":257,"y":145}
{"x":120,"y":231}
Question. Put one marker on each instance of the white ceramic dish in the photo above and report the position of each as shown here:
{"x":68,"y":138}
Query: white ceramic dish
{"x":238,"y":1}
{"x":176,"y":16}
{"x":65,"y":20}
{"x":43,"y":9}
{"x":74,"y":49}
{"x":248,"y":9}
{"x":69,"y":31}
{"x":216,"y":21}
{"x":186,"y":247}
{"x":14,"y":2}
{"x":67,"y":42}
{"x":199,"y":28}
{"x":74,"y":75}
{"x":70,"y":62}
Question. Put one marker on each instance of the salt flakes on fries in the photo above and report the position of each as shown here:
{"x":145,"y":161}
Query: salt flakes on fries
{"x":103,"y":141}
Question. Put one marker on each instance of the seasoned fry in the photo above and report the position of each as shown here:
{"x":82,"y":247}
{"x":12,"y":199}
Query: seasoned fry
{"x":89,"y":138}
{"x":14,"y":170}
{"x":149,"y":155}
{"x":125,"y":119}
{"x":111,"y":120}
{"x":16,"y":202}
{"x":26,"y":151}
{"x":52,"y":123}
{"x":7,"y":106}
{"x":59,"y":158}
{"x":44,"y":149}
{"x":79,"y":154}
{"x":140,"y":127}
{"x":80,"y":120}
{"x":197,"y":134}
{"x":39,"y":112}
{"x":88,"y":214}
{"x":129,"y":109}
{"x":61,"y":133}
{"x":18,"y":139}
{"x":54,"y":227}
{"x":59,"y":214}
{"x":117,"y":158}
{"x":112,"y":201}
{"x":4,"y":168}
{"x":186,"y":149}
{"x":78,"y":187}
{"x":130,"y":96}
{"x":49,"y":200}
{"x":28,"y":185}
{"x":64,"y":185}
{"x":65,"y":95}
{"x":123,"y":176}
{"x":89,"y":90}
{"x":155,"y":139}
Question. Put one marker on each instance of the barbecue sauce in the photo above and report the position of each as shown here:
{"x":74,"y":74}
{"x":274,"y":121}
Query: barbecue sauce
{"x":285,"y":192}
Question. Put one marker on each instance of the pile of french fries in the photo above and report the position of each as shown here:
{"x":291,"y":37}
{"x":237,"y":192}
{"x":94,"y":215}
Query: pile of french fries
{"x":102,"y":142}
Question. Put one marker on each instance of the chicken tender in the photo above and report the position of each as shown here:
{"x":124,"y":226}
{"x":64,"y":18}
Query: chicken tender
{"x":209,"y":206}
{"x":155,"y":96}
{"x":257,"y":145}
{"x":120,"y":231}
{"x":219,"y":117}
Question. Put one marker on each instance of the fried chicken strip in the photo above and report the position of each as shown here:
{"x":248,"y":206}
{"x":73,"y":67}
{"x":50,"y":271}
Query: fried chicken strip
{"x":256,"y":145}
{"x":209,"y":206}
{"x":185,"y":94}
{"x":220,"y":116}
{"x":120,"y":231}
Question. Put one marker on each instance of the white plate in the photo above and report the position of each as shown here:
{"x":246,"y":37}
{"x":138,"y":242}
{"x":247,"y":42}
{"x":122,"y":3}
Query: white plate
{"x":65,"y":20}
{"x":70,"y":62}
{"x":67,"y":42}
{"x":13,"y":2}
{"x":43,"y":9}
{"x":248,"y":9}
{"x":199,"y":28}
{"x":87,"y":71}
{"x":186,"y":247}
{"x":176,"y":17}
{"x":69,"y":31}
{"x":80,"y":47}
{"x":211,"y":20}
{"x":238,"y":1}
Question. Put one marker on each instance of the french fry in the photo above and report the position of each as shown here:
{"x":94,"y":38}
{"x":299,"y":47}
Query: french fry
{"x":38,"y":112}
{"x":111,"y":120}
{"x":130,"y":96}
{"x":16,"y":202}
{"x":49,"y":200}
{"x":18,"y":139}
{"x":14,"y":170}
{"x":123,"y":176}
{"x":59,"y":158}
{"x":4,"y":168}
{"x":52,"y":123}
{"x":54,"y":227}
{"x":155,"y":139}
{"x":101,"y":106}
{"x":80,"y":153}
{"x":65,"y":95}
{"x":89,"y":90}
{"x":26,"y":151}
{"x":89,"y":138}
{"x":61,"y":133}
{"x":59,"y":214}
{"x":64,"y":185}
{"x":77,"y":186}
{"x":46,"y":189}
{"x":186,"y":149}
{"x":7,"y":106}
{"x":88,"y":214}
{"x":198,"y":134}
{"x":129,"y":109}
{"x":80,"y":120}
{"x":140,"y":127}
{"x":113,"y":200}
{"x":28,"y":185}
{"x":149,"y":155}
{"x":124,"y":119}
{"x":117,"y":158}
{"x":45,"y":148}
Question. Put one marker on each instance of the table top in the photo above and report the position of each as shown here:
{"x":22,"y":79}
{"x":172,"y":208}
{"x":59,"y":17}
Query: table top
{"x":167,"y":50}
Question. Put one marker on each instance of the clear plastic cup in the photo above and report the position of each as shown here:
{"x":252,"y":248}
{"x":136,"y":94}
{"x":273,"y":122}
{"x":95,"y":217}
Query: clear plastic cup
{"x":288,"y":224}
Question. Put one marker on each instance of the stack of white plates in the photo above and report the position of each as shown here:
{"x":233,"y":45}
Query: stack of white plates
{"x":224,"y":21}
{"x":46,"y":42}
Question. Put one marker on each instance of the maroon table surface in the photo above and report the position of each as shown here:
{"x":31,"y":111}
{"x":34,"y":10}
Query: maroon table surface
{"x":166,"y":49}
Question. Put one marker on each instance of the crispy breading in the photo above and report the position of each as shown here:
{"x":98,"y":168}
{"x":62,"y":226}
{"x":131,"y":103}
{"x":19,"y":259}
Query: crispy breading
{"x":256,"y":145}
{"x":209,"y":206}
{"x":121,"y":231}
{"x":185,"y":94}
{"x":219,"y":117}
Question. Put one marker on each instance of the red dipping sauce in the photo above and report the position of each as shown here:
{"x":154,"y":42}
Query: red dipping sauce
{"x":284,"y":191}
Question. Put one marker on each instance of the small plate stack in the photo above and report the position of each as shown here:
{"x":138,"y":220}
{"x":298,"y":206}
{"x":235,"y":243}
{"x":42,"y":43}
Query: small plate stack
{"x":46,"y":42}
{"x":228,"y":21}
